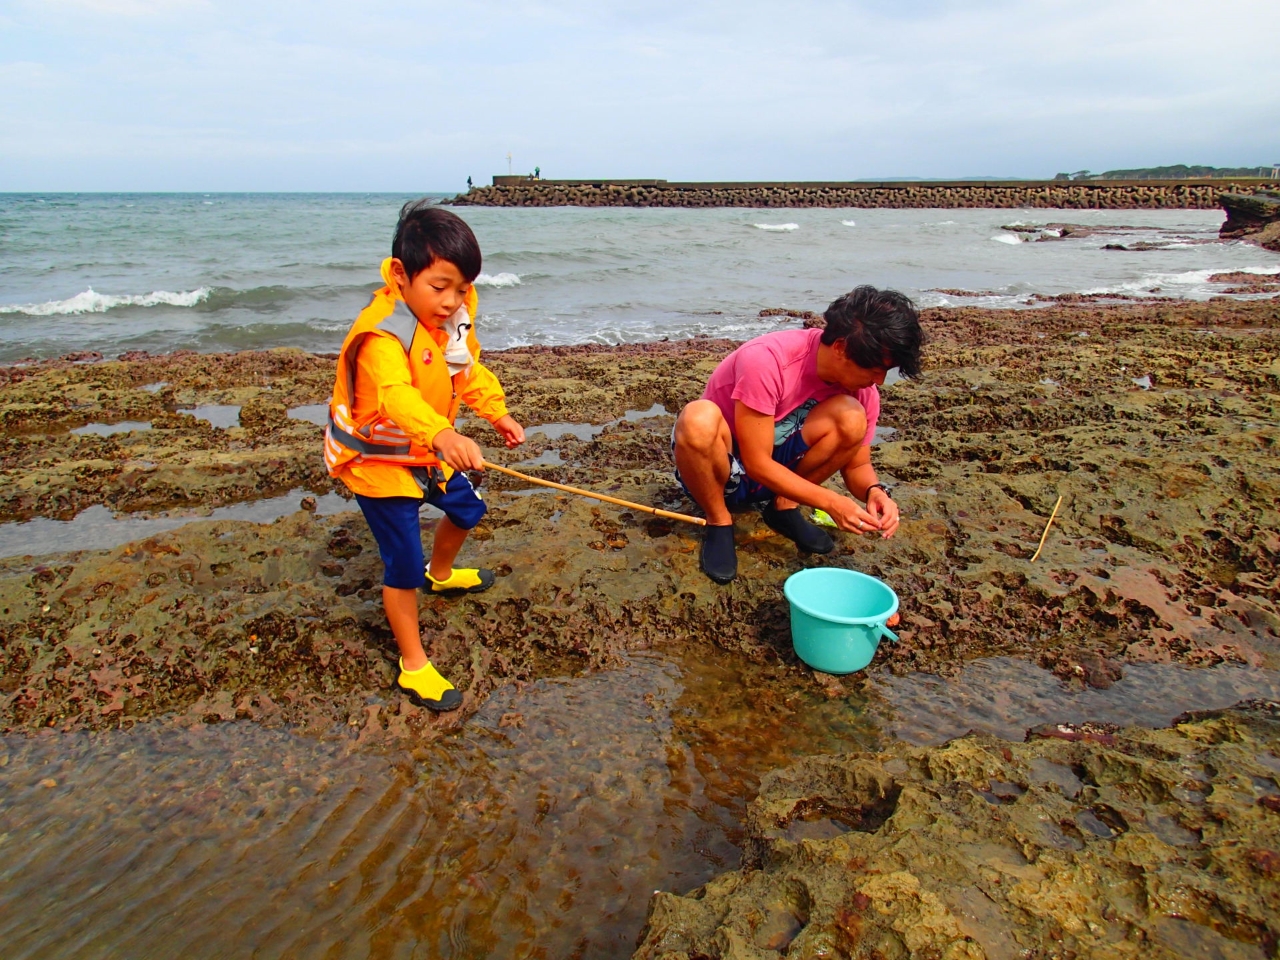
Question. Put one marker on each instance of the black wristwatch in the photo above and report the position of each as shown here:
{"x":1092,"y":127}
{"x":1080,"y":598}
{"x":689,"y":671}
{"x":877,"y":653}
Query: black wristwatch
{"x":867,"y":496}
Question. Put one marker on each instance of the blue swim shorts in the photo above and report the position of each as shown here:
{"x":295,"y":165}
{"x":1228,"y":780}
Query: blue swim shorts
{"x":788,"y":449}
{"x":397,"y":528}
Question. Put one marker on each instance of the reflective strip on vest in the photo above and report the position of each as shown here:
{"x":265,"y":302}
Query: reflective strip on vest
{"x":366,"y":447}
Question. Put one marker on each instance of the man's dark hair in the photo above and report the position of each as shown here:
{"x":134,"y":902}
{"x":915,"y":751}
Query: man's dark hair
{"x":880,"y":328}
{"x":427,"y":232}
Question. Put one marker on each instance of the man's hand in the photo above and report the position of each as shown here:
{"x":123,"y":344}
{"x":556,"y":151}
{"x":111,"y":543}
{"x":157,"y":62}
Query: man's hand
{"x":884,"y":511}
{"x":850,"y":517}
{"x":511,"y":431}
{"x":459,"y":452}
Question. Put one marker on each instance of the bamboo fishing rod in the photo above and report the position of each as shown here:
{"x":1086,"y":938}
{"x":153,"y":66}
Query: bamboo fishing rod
{"x":1045,"y":536}
{"x":595,"y":496}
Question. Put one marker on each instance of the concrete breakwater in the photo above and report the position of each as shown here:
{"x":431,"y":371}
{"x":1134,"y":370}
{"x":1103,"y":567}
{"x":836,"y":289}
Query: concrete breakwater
{"x":1070,"y":194}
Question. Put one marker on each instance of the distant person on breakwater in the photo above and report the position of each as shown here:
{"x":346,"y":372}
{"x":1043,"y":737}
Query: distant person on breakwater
{"x":408,"y":362}
{"x":784,"y":413}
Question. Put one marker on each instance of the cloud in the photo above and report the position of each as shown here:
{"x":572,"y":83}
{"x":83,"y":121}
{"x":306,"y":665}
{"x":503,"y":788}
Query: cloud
{"x":321,"y":94}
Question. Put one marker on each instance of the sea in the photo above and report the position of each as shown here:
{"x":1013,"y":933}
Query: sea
{"x":111,"y":272}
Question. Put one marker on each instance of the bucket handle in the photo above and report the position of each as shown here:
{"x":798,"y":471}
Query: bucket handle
{"x":886,"y":632}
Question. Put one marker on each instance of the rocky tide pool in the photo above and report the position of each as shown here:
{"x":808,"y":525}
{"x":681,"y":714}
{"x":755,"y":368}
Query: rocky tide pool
{"x":541,"y":828}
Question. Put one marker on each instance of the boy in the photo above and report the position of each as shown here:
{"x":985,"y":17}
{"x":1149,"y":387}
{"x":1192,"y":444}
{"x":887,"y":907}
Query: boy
{"x":788,"y":410}
{"x":407,"y":363}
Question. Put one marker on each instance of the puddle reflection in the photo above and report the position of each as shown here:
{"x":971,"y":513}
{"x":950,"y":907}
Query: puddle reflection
{"x":589,"y":431}
{"x":317,"y":413}
{"x":107,"y":429}
{"x":97,"y":528}
{"x":1005,"y":697}
{"x":222,"y":415}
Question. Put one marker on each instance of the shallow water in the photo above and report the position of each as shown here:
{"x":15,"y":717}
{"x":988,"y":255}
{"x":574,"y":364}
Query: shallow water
{"x":221,"y":415}
{"x":589,"y":431}
{"x":110,"y":429}
{"x":97,"y":528}
{"x":317,"y":413}
{"x":539,"y":830}
{"x":1004,"y":697}
{"x":543,"y":837}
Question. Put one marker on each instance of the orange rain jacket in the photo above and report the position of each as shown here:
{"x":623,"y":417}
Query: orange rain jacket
{"x":395,"y":391}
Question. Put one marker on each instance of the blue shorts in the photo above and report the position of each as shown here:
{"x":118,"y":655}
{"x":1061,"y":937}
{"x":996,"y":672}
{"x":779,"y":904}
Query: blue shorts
{"x":788,"y":449}
{"x":397,"y":528}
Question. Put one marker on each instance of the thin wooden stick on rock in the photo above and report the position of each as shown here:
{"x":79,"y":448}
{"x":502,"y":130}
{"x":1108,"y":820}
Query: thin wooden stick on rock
{"x":595,"y":496}
{"x":1044,"y":536}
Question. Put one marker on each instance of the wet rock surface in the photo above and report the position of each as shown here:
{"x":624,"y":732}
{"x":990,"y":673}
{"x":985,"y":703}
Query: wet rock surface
{"x":1081,"y":842}
{"x":1155,"y":423}
{"x":181,"y":460}
{"x":1254,"y":217}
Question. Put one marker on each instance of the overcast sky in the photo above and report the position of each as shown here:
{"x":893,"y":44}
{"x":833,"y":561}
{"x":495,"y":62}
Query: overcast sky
{"x":417,"y":96}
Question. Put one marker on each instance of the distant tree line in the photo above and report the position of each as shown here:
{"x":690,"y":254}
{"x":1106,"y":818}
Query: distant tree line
{"x":1179,"y":171}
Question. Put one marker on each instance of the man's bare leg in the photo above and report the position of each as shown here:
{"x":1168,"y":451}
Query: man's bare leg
{"x":703,"y":444}
{"x":833,"y":430}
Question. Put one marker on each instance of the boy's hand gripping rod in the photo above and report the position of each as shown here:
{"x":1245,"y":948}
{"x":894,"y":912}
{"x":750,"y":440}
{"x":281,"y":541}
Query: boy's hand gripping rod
{"x":595,"y":496}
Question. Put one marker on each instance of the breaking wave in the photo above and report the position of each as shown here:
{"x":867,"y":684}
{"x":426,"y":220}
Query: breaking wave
{"x":93,"y":302}
{"x":850,"y":223}
{"x":777,"y":227}
{"x":1008,"y":238}
{"x":498,"y":280}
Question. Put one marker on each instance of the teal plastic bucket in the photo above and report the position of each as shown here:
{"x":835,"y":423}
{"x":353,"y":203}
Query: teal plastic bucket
{"x":838,"y":617}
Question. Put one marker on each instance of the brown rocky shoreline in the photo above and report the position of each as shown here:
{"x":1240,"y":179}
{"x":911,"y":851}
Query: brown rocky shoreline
{"x":1156,"y":423}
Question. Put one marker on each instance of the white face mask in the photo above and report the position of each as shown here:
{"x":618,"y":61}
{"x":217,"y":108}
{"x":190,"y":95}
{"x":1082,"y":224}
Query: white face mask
{"x":456,"y":354}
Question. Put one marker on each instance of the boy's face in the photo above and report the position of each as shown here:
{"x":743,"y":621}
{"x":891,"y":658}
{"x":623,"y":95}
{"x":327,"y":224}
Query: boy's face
{"x":435,"y":293}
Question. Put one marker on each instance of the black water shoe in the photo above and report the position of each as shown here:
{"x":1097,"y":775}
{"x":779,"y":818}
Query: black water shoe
{"x":719,"y":560}
{"x":796,"y":528}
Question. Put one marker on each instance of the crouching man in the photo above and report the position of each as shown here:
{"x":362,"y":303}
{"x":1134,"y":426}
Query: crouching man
{"x":787,"y":411}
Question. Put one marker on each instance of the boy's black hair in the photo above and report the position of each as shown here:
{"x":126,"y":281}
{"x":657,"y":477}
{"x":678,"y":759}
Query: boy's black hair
{"x":880,"y":328}
{"x":427,"y":232}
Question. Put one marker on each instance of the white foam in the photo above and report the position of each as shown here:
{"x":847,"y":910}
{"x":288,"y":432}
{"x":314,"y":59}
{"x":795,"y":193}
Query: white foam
{"x":850,"y":223}
{"x":328,"y":326}
{"x":777,"y":227}
{"x":1196,"y":277}
{"x":1194,"y":284}
{"x":1008,"y":238}
{"x":497,"y":280}
{"x":92,"y":302}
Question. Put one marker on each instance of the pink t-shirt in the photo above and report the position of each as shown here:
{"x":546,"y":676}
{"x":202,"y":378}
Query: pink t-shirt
{"x":777,"y":372}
